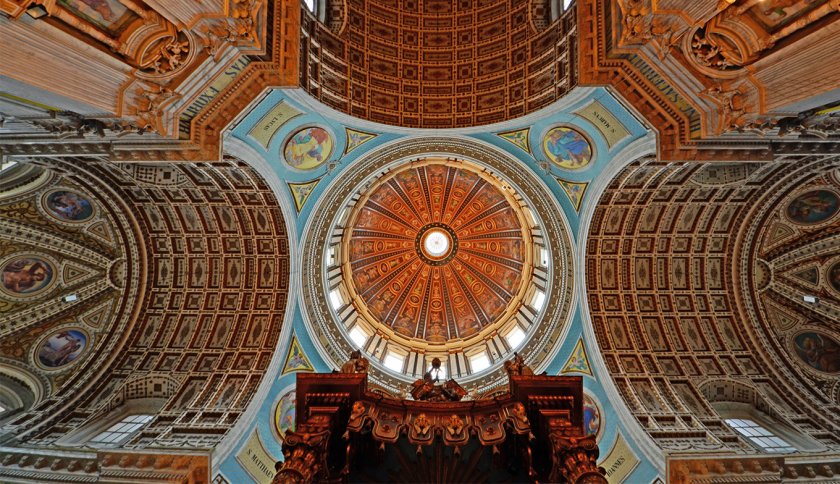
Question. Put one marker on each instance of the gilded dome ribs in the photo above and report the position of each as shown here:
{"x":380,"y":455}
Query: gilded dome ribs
{"x":369,"y":233}
{"x":376,"y":287}
{"x":509,"y":234}
{"x":398,"y":306}
{"x":479,"y":184}
{"x":503,"y":205}
{"x":418,"y":292}
{"x":375,"y":207}
{"x":425,"y":184}
{"x":395,"y":186}
{"x":476,"y":308}
{"x":503,"y":294}
{"x":360,"y":263}
{"x":492,"y":258}
{"x":447,"y":190}
{"x":451,"y":327}
{"x":424,"y":308}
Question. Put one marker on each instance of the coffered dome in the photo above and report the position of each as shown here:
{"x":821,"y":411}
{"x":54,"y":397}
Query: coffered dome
{"x":437,"y":254}
{"x":437,"y":248}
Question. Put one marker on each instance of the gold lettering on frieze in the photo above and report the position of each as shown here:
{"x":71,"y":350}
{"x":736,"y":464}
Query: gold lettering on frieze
{"x":268,"y":125}
{"x":606,"y":122}
{"x":256,"y":461}
{"x":620,"y":462}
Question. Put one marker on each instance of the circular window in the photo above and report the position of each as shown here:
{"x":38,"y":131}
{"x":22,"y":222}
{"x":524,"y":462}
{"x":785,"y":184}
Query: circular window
{"x":436,"y":244}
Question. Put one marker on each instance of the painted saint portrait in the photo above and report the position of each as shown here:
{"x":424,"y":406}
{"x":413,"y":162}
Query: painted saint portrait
{"x":308,"y":148}
{"x":813,"y":207}
{"x":819,"y":351}
{"x":834,"y":276}
{"x":69,"y":206}
{"x":62,"y":348}
{"x":26,"y":275}
{"x":567,"y":148}
{"x":284,"y":414}
{"x":591,"y":416}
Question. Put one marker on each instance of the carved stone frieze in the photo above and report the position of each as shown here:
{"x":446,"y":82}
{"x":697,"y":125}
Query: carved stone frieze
{"x":108,"y":466}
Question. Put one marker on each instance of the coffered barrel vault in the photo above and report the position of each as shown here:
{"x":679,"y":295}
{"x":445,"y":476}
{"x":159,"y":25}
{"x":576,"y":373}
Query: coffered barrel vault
{"x":439,"y":63}
{"x":691,"y":307}
{"x":199,"y":201}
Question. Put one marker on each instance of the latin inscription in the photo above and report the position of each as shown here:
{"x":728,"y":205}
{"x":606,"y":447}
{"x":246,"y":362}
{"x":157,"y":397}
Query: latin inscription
{"x":217,"y":86}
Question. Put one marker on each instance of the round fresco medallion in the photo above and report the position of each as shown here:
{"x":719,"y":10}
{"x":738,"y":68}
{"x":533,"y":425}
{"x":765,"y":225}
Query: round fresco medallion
{"x":834,"y":276}
{"x":26,"y":275}
{"x":68,"y":206}
{"x":591,"y":416}
{"x":818,"y":351}
{"x":284,"y":414}
{"x":813,"y":207}
{"x":308,"y":148}
{"x":62,"y":348}
{"x":567,"y":148}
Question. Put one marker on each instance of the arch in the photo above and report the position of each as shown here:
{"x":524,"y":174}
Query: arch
{"x":20,"y":390}
{"x":664,"y":246}
{"x":39,"y":386}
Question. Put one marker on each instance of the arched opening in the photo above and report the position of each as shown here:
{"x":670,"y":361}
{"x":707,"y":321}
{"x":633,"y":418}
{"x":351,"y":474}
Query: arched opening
{"x":753,"y":419}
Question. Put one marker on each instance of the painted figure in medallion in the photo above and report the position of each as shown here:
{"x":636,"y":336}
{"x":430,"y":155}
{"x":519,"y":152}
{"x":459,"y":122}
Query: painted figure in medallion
{"x":62,"y":348}
{"x":308,"y":148}
{"x":69,"y":206}
{"x":591,"y":416}
{"x":284,"y":414}
{"x":819,"y":351}
{"x":834,"y":276}
{"x":813,"y":207}
{"x":26,"y":275}
{"x":567,"y":148}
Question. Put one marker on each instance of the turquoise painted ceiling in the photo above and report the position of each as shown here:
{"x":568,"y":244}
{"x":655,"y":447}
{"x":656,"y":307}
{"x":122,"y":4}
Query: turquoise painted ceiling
{"x":615,"y":135}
